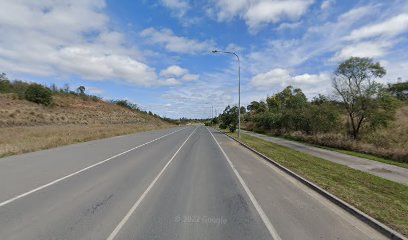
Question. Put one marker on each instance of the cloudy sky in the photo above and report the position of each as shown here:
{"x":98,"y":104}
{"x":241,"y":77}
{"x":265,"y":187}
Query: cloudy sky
{"x":156,"y":53}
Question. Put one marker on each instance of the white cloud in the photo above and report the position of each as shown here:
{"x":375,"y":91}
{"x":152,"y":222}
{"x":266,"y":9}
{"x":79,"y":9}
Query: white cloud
{"x":190,"y":77}
{"x":54,"y":38}
{"x":97,"y":66}
{"x":258,"y":13}
{"x":272,"y":78}
{"x":171,"y":82}
{"x":389,"y":28}
{"x":322,"y":39}
{"x":370,"y":49}
{"x":279,"y":78}
{"x":327,"y":4}
{"x":177,"y":72}
{"x":173,"y":71}
{"x":172,"y":43}
{"x":180,"y":7}
{"x":284,"y":26}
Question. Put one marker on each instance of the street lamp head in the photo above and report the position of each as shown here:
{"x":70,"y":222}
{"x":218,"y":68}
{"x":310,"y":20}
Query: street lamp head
{"x":214,"y":51}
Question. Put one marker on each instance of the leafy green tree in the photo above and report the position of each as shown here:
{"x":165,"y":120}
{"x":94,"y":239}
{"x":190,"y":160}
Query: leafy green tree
{"x":289,"y":98}
{"x":229,"y":118}
{"x":365,"y":101}
{"x":399,"y":90}
{"x":38,"y":94}
{"x":290,"y":104}
{"x":257,"y":107}
{"x":268,"y":120}
{"x":321,"y":117}
{"x":5,"y":85}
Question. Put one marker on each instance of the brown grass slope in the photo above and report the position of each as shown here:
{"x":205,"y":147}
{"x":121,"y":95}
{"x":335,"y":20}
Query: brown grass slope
{"x":26,"y":126}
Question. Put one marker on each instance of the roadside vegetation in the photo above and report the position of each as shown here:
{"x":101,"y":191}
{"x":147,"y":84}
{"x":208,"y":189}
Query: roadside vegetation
{"x":385,"y":200}
{"x":35,"y":117}
{"x":362,"y":115}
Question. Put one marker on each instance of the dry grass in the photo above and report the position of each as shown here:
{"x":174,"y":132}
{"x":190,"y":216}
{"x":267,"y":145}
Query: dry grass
{"x":67,"y":110}
{"x":17,"y":140}
{"x":27,"y":127}
{"x":390,"y":143}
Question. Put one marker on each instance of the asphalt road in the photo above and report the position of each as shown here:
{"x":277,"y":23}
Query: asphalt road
{"x":181,"y":183}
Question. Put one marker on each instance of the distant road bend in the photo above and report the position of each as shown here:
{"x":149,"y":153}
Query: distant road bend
{"x":180,"y":183}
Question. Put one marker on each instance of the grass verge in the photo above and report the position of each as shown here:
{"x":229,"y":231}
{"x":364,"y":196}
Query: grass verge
{"x":17,"y":140}
{"x":366,"y":156}
{"x":348,"y":152}
{"x":385,"y":200}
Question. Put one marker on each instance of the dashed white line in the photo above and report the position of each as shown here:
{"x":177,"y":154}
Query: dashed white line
{"x":137,"y":203}
{"x":274,"y":234}
{"x":80,"y":171}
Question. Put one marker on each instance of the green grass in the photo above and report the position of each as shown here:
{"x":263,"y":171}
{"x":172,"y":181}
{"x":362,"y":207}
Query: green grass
{"x":352,"y":153}
{"x":385,"y":200}
{"x":366,"y":156}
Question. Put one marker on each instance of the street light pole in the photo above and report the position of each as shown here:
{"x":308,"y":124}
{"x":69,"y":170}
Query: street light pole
{"x":239,"y":87}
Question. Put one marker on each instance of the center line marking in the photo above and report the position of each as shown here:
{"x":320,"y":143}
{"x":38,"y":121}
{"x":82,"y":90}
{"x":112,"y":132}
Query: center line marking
{"x":80,"y":171}
{"x":257,"y":206}
{"x":136,"y":205}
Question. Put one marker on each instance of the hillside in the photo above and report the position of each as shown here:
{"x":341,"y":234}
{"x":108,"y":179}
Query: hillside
{"x":27,"y":126}
{"x":68,"y":110}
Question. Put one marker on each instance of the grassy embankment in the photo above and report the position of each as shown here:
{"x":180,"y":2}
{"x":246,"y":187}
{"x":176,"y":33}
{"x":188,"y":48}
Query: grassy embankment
{"x":382,"y":199}
{"x":27,"y":127}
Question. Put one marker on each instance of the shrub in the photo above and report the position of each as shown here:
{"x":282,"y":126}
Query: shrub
{"x":38,"y":94}
{"x":128,"y":105}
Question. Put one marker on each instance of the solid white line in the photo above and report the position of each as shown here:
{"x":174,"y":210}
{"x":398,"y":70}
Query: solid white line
{"x":134,"y":207}
{"x":80,"y":171}
{"x":257,"y":206}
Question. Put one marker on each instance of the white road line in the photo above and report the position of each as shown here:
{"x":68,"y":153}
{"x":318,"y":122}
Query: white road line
{"x":257,"y":206}
{"x":350,"y":219}
{"x":80,"y":171}
{"x":136,"y":205}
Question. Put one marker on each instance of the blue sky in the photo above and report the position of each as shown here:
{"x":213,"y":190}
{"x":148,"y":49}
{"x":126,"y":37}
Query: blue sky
{"x":156,"y":53}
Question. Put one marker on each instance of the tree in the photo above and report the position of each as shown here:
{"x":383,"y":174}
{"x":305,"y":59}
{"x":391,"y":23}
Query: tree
{"x":229,"y":118}
{"x":242,"y":110}
{"x":399,"y":90}
{"x":38,"y":94}
{"x":81,"y":90}
{"x":321,"y":118}
{"x":289,"y":98}
{"x":289,"y":105}
{"x":4,"y":83}
{"x":257,"y":107}
{"x":366,"y":101}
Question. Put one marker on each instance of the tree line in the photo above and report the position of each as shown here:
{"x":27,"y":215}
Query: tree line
{"x":360,"y":104}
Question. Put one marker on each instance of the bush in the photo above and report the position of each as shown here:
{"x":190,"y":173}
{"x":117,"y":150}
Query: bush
{"x":127,"y":104}
{"x":4,"y":86}
{"x":38,"y":94}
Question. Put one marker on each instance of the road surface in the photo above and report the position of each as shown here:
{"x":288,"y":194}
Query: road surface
{"x":180,"y":183}
{"x":387,"y":171}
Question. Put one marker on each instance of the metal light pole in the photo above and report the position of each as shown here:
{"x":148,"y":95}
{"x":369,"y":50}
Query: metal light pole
{"x":212,"y":113}
{"x":239,"y":87}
